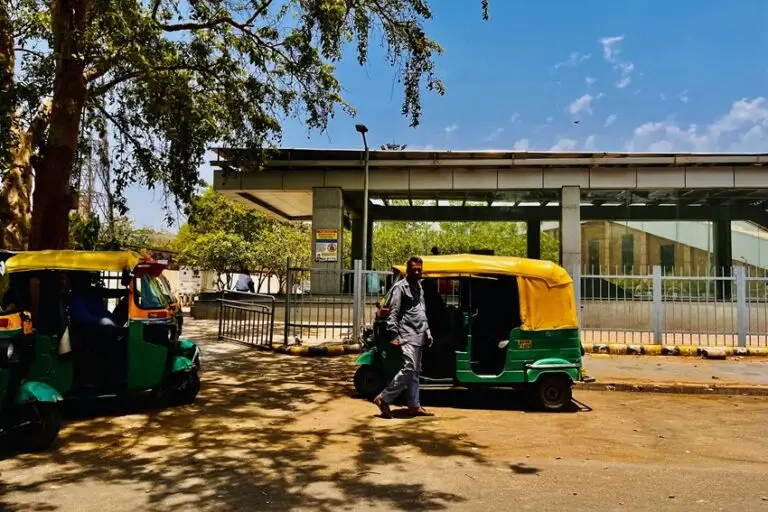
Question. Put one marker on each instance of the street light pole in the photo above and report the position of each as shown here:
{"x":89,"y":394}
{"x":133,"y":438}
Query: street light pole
{"x":362,"y":129}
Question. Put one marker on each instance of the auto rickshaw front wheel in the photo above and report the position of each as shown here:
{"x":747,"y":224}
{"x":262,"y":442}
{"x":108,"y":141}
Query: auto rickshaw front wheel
{"x":553,"y":392}
{"x":369,"y":381}
{"x":41,"y":424}
{"x":181,"y":388}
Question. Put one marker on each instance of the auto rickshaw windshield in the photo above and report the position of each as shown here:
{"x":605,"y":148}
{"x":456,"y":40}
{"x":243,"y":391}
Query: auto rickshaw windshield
{"x":149,"y":294}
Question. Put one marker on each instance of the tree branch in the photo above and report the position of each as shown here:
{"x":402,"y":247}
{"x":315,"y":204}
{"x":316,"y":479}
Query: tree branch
{"x":119,"y":79}
{"x":210,"y":24}
{"x":28,"y":51}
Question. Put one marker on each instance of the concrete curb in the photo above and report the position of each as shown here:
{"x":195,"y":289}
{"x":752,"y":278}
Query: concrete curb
{"x":329,"y":350}
{"x":688,"y":389}
{"x":674,"y":350}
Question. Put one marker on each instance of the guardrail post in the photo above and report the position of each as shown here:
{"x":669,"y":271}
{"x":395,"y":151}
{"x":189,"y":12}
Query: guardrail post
{"x":221,"y":314}
{"x":657,"y":304}
{"x":287,"y":306}
{"x":740,"y":276}
{"x":357,"y":297}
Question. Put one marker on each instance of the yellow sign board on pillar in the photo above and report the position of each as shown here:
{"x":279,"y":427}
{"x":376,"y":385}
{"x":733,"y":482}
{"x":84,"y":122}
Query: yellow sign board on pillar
{"x":326,"y":245}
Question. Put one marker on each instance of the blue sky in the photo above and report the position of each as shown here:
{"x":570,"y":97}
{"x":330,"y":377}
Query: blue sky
{"x":638,"y":75}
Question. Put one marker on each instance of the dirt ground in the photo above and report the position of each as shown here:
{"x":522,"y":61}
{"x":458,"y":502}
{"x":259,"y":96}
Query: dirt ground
{"x":271,"y":432}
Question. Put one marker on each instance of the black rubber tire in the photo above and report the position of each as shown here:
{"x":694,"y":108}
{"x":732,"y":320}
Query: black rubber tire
{"x":554,"y":392}
{"x":369,"y":381}
{"x":44,"y":429}
{"x":182,"y":388}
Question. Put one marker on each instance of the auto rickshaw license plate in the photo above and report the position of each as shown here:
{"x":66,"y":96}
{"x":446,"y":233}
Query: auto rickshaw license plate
{"x":524,"y":344}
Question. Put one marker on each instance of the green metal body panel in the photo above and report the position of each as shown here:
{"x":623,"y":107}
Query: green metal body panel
{"x":181,"y":364}
{"x":146,"y":361}
{"x":525,"y":348}
{"x":528,"y":355}
{"x":48,"y":367}
{"x":187,"y":349}
{"x":34,"y":391}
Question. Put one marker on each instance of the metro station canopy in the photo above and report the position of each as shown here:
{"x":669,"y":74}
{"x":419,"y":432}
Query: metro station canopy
{"x":501,"y":185}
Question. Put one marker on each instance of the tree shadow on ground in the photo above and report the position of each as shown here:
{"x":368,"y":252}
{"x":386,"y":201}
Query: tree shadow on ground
{"x":491,"y":399}
{"x":261,"y":436}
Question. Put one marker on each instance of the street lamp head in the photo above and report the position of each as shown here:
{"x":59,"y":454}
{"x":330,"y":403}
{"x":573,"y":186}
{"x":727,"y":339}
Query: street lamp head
{"x":361,"y":128}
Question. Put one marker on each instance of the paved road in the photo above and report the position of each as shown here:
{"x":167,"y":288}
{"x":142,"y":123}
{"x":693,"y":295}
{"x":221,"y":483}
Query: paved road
{"x":279,"y":433}
{"x":676,"y":369}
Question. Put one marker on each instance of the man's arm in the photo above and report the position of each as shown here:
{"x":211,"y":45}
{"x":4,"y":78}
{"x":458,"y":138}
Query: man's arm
{"x":393,"y":320}
{"x":251,"y":286}
{"x":426,"y":319}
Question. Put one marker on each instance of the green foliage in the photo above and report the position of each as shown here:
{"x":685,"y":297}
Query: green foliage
{"x":224,"y":236}
{"x":173,"y":77}
{"x":84,"y":232}
{"x":395,"y":242}
{"x":89,"y":234}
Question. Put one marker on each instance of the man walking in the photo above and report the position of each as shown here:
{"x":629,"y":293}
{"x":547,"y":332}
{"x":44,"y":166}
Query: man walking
{"x":407,"y":327}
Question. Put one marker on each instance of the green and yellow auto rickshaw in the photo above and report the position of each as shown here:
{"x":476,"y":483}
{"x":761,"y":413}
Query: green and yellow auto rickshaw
{"x":29,"y":408}
{"x":496,"y":322}
{"x":130,"y":349}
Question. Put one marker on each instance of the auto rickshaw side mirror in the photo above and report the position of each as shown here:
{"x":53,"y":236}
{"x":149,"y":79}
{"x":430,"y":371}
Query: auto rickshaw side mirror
{"x":125,"y":277}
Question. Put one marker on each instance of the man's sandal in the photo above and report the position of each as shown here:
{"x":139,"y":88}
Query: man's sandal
{"x":383,"y":406}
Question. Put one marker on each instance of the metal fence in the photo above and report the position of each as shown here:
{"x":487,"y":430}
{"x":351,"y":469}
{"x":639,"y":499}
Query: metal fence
{"x":247,"y":318}
{"x":331,"y":304}
{"x":728,"y":307}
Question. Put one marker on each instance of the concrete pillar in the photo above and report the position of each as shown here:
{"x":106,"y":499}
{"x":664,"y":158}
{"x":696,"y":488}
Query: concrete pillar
{"x":327,"y":239}
{"x":723,"y":256}
{"x":570,"y":227}
{"x":533,"y":239}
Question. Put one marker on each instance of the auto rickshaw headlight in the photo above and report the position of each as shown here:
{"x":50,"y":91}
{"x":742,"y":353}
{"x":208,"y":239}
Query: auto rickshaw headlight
{"x":6,"y":352}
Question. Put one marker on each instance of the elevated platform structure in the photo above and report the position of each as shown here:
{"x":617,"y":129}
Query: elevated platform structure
{"x":326,"y":186}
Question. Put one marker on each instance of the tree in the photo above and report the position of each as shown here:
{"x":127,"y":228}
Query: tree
{"x":252,"y":239}
{"x":172,"y":77}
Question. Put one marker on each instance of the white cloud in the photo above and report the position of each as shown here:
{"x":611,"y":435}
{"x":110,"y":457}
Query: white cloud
{"x":549,"y":120}
{"x":522,"y":145}
{"x":565,"y":145}
{"x":493,"y":135}
{"x":590,"y":80}
{"x":589,"y":143}
{"x":662,"y":96}
{"x":611,"y":119}
{"x":743,"y":128}
{"x":514,"y":118}
{"x":573,"y":60}
{"x":684,"y":96}
{"x":583,"y":104}
{"x":611,"y":50}
{"x":611,"y":47}
{"x":451,"y":128}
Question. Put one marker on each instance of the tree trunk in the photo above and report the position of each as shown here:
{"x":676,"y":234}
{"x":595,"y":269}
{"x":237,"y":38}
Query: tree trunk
{"x":52,"y":199}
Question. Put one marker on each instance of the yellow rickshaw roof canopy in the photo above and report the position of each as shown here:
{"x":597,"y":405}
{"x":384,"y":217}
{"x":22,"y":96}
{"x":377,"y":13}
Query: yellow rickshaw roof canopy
{"x":454,"y":265}
{"x":85,"y":261}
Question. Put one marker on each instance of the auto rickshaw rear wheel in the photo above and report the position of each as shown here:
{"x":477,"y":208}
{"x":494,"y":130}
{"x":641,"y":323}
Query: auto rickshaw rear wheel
{"x":554,"y":392}
{"x":42,"y":422}
{"x":181,"y":388}
{"x":369,"y":381}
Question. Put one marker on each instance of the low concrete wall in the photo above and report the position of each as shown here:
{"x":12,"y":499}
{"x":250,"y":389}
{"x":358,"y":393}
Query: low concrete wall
{"x":704,"y":317}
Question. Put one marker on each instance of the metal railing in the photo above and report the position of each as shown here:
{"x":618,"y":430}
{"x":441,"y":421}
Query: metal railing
{"x":331,"y":304}
{"x":728,"y":307}
{"x":247,"y":318}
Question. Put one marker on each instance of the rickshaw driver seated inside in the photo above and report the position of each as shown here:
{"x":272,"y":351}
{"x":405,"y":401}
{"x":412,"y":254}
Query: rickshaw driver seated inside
{"x":87,"y":307}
